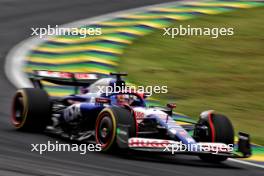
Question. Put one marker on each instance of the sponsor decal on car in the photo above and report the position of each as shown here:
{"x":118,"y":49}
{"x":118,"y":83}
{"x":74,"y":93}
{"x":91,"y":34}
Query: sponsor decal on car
{"x":177,"y":146}
{"x":143,"y":142}
{"x":139,"y":115}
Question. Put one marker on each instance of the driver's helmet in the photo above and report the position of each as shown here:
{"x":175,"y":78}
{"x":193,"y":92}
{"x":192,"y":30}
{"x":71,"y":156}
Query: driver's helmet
{"x":124,"y":99}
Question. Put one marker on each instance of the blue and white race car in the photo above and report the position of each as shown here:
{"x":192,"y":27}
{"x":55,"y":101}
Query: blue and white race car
{"x":121,"y":120}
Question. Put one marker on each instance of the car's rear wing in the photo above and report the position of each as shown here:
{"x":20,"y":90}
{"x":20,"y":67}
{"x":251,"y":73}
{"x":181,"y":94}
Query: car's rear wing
{"x":63,"y":78}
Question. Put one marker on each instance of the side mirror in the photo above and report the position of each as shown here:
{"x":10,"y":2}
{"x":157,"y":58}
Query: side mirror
{"x":146,"y":95}
{"x":171,"y":106}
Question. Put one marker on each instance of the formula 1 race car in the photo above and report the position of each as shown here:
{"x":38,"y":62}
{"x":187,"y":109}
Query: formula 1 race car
{"x":121,"y":120}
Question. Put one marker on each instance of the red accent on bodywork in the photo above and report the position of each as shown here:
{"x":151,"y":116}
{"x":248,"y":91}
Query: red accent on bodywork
{"x":212,"y":127}
{"x":135,"y":119}
{"x":141,"y":95}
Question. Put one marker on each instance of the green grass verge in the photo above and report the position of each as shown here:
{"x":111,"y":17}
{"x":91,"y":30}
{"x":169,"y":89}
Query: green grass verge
{"x":225,"y":74}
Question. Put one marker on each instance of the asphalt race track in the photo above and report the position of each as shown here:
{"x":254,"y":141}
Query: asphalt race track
{"x":16,"y":158}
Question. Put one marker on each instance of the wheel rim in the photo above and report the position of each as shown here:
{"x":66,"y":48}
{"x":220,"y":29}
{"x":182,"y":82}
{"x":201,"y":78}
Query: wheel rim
{"x":105,"y":131}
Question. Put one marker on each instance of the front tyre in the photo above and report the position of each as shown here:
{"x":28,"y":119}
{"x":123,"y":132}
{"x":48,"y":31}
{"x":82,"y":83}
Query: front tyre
{"x":219,"y":129}
{"x":114,"y":126}
{"x":105,"y":130}
{"x":31,"y":110}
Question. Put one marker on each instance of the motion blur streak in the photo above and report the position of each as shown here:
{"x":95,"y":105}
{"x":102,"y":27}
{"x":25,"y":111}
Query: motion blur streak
{"x":15,"y":159}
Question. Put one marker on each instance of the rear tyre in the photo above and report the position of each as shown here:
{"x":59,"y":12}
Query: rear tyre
{"x":31,"y":110}
{"x":220,"y":129}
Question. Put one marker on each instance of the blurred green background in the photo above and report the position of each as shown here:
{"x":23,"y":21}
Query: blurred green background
{"x":225,"y":74}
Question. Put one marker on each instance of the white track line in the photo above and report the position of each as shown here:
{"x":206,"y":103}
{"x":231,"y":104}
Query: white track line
{"x":246,"y":163}
{"x":15,"y":58}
